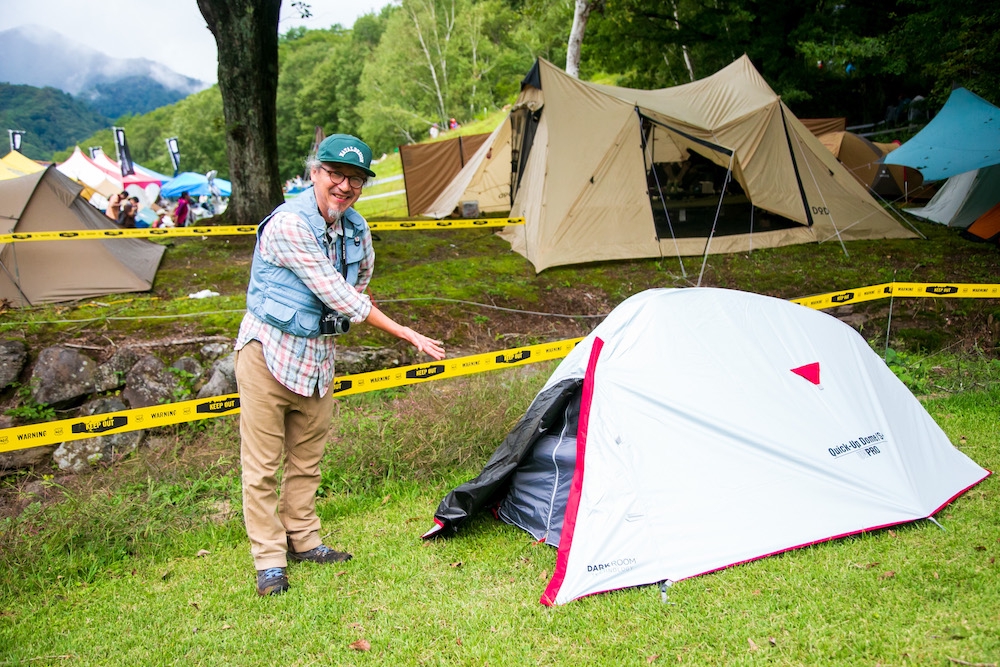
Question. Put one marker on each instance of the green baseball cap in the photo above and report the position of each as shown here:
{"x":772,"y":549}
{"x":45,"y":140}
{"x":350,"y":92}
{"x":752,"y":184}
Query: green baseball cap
{"x":345,"y":149}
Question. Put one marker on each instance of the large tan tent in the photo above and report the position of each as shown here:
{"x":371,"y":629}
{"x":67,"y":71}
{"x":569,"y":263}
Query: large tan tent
{"x":716,"y":165}
{"x":34,"y":272}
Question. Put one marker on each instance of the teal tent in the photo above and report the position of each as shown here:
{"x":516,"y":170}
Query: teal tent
{"x":963,"y":136}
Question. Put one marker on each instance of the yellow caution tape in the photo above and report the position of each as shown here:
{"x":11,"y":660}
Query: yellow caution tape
{"x":123,"y":421}
{"x":36,"y":435}
{"x":65,"y":430}
{"x":885,"y":290}
{"x":135,"y":233}
{"x":234,"y":230}
{"x":449,"y":368}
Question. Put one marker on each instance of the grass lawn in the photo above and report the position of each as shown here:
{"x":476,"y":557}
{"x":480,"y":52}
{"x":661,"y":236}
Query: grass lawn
{"x":146,"y":561}
{"x":148,"y":564}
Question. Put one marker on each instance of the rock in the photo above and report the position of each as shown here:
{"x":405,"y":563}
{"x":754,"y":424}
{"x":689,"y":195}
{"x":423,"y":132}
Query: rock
{"x":223,"y":378}
{"x":13,"y":357}
{"x":149,"y":383}
{"x":111,"y":374}
{"x":366,"y":359}
{"x":213,"y":351}
{"x":62,"y":377}
{"x":82,"y":455}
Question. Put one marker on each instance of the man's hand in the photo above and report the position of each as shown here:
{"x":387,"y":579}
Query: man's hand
{"x":429,"y":346}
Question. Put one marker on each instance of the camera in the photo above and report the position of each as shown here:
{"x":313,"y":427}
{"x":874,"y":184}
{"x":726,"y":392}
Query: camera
{"x":332,"y":323}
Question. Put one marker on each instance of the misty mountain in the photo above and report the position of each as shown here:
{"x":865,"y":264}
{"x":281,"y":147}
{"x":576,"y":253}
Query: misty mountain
{"x":40,"y":57}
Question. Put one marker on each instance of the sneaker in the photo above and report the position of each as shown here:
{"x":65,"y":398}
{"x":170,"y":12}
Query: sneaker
{"x":321,"y":554}
{"x":272,"y":581}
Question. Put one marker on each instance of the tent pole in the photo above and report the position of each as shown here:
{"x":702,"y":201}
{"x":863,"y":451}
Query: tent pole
{"x":718,"y":211}
{"x":652,"y":166}
{"x":16,"y":281}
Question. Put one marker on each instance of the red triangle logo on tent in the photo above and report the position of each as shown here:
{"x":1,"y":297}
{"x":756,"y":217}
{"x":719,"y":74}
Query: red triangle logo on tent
{"x":809,"y":372}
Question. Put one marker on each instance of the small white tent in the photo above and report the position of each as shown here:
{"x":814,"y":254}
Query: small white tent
{"x":696,"y":429}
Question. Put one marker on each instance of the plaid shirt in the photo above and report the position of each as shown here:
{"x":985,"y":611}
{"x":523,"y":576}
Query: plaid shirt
{"x":305,"y":365}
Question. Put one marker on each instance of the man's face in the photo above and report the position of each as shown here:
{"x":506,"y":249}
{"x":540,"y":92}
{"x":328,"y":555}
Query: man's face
{"x":333,"y":198}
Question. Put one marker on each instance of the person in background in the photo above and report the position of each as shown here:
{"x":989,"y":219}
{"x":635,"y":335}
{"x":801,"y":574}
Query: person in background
{"x":126,"y":217}
{"x":311,"y":264}
{"x":183,"y":210}
{"x":115,"y":202}
{"x":163,"y":218}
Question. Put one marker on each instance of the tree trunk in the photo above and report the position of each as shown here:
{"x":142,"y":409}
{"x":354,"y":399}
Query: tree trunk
{"x":580,"y":16}
{"x":684,"y":48}
{"x":246,"y":35}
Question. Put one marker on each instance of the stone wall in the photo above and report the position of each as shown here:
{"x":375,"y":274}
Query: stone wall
{"x":68,"y":381}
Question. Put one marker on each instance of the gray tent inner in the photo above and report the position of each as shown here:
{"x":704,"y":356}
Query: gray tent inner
{"x":539,"y":488}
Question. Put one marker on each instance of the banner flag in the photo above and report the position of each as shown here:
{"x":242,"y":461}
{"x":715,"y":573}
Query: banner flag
{"x":124,"y":157}
{"x":175,"y":154}
{"x":94,"y":151}
{"x":15,"y":139}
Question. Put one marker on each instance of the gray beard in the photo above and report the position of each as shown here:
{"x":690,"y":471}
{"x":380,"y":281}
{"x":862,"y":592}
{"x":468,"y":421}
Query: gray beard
{"x":333,"y":215}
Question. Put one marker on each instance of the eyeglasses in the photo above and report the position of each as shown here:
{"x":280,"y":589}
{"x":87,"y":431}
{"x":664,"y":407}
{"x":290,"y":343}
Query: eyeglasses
{"x":337,"y":178}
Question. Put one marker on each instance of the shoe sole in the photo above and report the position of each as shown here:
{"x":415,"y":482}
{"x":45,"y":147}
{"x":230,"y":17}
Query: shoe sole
{"x":275,"y":589}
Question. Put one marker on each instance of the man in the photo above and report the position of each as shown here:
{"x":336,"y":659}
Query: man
{"x":115,"y":202}
{"x":129,"y":209}
{"x":285,"y":359}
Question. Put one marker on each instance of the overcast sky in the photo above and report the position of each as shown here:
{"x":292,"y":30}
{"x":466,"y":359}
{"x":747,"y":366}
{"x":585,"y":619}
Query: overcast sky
{"x":171,"y":32}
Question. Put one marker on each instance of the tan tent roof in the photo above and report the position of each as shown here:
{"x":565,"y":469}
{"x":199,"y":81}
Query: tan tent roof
{"x":864,"y":160}
{"x":584,"y":192}
{"x":52,"y":271}
{"x":429,"y":168}
{"x":821,"y":126}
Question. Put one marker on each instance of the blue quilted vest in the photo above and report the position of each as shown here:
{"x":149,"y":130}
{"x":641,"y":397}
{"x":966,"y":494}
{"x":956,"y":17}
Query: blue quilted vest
{"x":276,"y":295}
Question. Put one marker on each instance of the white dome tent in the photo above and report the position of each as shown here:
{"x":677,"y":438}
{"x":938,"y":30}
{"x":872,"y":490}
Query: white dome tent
{"x":696,"y":429}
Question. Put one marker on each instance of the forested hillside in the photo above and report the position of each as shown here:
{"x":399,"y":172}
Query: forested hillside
{"x":425,"y":61}
{"x":51,"y":118}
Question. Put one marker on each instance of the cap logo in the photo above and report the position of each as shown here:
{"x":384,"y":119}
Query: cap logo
{"x":353,"y":149}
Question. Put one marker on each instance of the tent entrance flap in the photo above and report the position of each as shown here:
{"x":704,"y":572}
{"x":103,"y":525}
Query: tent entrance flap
{"x":523,"y":123}
{"x":685,"y":177}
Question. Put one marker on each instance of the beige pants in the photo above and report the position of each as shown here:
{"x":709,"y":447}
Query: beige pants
{"x":277,"y":424}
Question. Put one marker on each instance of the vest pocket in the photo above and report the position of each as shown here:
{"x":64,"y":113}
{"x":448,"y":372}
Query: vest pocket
{"x":278,"y":314}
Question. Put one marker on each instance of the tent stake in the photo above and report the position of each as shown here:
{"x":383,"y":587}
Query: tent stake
{"x":665,"y":584}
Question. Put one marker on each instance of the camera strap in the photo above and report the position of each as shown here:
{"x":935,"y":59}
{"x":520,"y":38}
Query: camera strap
{"x":343,"y":250}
